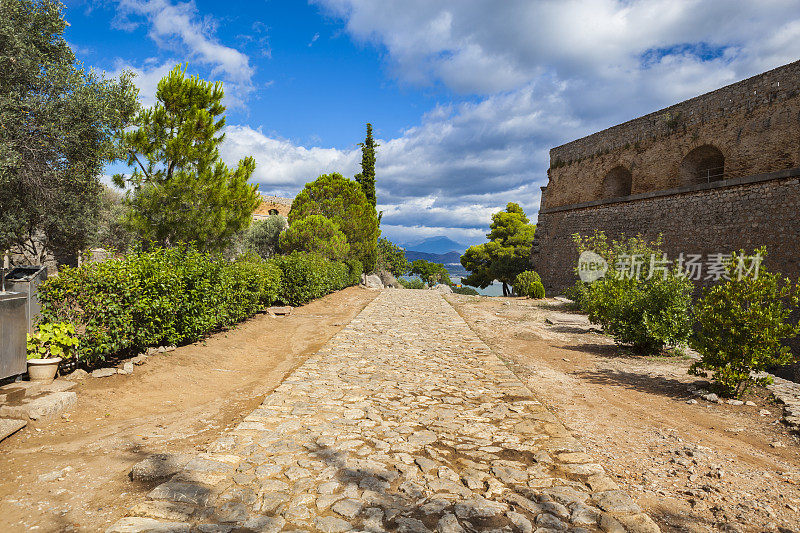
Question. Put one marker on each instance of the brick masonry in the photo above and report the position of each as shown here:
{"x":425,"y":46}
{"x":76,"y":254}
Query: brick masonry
{"x":272,"y":203}
{"x":753,"y":124}
{"x":716,"y":218}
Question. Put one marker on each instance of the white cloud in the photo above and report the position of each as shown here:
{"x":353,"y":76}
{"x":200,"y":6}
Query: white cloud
{"x":283,"y":167}
{"x":536,"y":74}
{"x":147,"y":77}
{"x":485,"y":46}
{"x":180,"y":28}
{"x":544,"y":72}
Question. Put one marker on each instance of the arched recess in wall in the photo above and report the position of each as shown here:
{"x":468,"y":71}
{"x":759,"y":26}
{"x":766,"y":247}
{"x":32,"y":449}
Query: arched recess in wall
{"x":617,"y":182}
{"x":703,"y":165}
{"x":273,"y":211}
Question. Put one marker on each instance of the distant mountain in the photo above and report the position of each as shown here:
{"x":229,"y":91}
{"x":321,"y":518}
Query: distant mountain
{"x":449,"y":257}
{"x":436,"y":245}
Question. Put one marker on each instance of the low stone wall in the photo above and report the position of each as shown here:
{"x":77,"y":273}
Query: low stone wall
{"x":719,"y":217}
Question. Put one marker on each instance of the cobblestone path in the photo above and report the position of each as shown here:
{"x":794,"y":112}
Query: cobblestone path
{"x":405,"y":421}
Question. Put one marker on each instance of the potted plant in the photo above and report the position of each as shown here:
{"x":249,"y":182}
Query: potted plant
{"x":47,"y":347}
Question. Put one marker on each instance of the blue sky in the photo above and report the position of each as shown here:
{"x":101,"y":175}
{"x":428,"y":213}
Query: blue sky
{"x":466,"y":96}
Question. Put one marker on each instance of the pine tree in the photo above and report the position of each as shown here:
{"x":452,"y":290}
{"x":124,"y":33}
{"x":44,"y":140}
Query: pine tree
{"x":506,"y":255}
{"x":366,"y":178}
{"x":182,"y":191}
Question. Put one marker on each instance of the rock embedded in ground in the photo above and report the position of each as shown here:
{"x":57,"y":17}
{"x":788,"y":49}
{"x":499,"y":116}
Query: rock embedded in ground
{"x":9,"y":426}
{"x":40,"y":407}
{"x":159,"y":466}
{"x":711,"y":397}
{"x":616,"y":502}
{"x":372,"y":282}
{"x":104,"y":372}
{"x":134,"y":524}
{"x":77,"y":375}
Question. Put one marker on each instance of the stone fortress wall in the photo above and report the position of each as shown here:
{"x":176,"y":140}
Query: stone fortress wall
{"x":272,"y":205}
{"x":713,"y":174}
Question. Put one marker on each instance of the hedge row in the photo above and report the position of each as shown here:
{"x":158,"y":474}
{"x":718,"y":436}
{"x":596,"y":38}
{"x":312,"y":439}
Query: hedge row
{"x":178,"y":295}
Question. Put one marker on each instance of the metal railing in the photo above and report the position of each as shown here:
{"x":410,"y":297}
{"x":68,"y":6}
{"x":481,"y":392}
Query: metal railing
{"x":710,"y":174}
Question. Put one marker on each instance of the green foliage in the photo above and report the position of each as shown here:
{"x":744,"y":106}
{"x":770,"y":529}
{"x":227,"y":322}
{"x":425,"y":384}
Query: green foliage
{"x":53,"y":340}
{"x":343,"y":202}
{"x":741,"y":326}
{"x":505,"y":255}
{"x":412,"y":283}
{"x":315,"y":234}
{"x":262,"y":236}
{"x":178,"y":295}
{"x":57,"y":131}
{"x":181,"y":190}
{"x":309,"y":276}
{"x":469,"y":291}
{"x":529,"y":284}
{"x":163,"y":296}
{"x":579,"y":294}
{"x":648,"y":310}
{"x":431,"y":273}
{"x":110,"y":232}
{"x":366,"y":178}
{"x":355,"y":270}
{"x":392,"y":258}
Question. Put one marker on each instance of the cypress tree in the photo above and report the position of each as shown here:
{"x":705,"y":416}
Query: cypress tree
{"x":366,"y":178}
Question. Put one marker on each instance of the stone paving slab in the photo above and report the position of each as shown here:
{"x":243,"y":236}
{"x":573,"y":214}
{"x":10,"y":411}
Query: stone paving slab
{"x":9,"y":426}
{"x":404,"y":421}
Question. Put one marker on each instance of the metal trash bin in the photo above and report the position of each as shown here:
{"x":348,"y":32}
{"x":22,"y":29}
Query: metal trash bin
{"x":26,"y":279}
{"x":13,"y":329}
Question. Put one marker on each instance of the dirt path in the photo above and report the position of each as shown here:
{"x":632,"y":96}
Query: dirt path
{"x":74,"y":470}
{"x":693,"y":467}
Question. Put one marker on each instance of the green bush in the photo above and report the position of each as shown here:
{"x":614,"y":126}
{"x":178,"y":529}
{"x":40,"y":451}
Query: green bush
{"x":647,"y":310}
{"x":741,"y":324}
{"x":261,"y":237}
{"x":411,"y":283}
{"x":318,"y":235}
{"x":391,"y":258}
{"x":355,"y":271}
{"x":579,"y":294}
{"x":528,"y":283}
{"x":307,"y":277}
{"x":469,"y":291}
{"x":178,"y":295}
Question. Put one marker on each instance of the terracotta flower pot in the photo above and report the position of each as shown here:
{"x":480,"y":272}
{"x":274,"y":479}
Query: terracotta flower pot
{"x":43,"y":369}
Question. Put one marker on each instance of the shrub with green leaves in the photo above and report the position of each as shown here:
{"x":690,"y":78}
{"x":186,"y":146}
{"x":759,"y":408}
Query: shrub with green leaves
{"x":53,"y":340}
{"x":645,"y":304}
{"x":355,"y":270}
{"x":528,"y":283}
{"x":741,"y":326}
{"x":307,"y":277}
{"x":579,"y":294}
{"x":468,"y":291}
{"x":411,"y":283}
{"x":316,"y":234}
{"x":178,"y":295}
{"x":163,"y":296}
{"x":261,"y":237}
{"x":392,"y":258}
